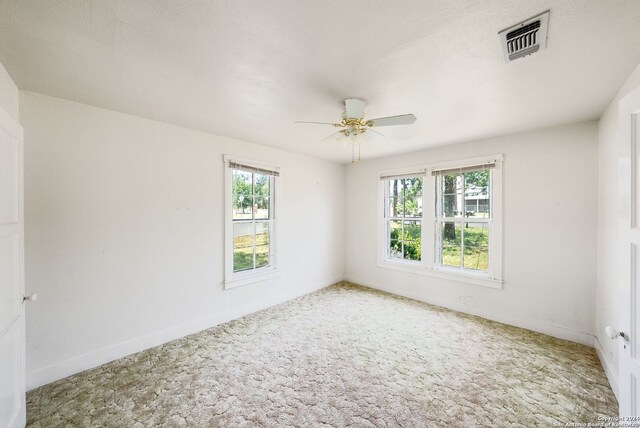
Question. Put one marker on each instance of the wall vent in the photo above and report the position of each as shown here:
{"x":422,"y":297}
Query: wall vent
{"x":525,"y":38}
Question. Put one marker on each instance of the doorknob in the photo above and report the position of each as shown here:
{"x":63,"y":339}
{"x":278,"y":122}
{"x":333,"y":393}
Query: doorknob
{"x":612,"y":333}
{"x":31,"y":297}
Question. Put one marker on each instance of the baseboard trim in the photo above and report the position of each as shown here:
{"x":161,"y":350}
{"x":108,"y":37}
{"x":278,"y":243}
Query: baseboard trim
{"x":534,"y":325}
{"x":105,"y":355}
{"x":612,"y":376}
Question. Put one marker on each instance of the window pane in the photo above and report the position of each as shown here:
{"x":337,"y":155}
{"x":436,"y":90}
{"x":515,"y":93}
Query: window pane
{"x":242,"y":246}
{"x":395,"y":249}
{"x":411,"y":230}
{"x":395,"y":229}
{"x":242,"y":195}
{"x":413,"y":207}
{"x":476,"y":194}
{"x":395,"y":239}
{"x":262,"y":207}
{"x":413,"y":197}
{"x":395,"y":203}
{"x":395,"y":206}
{"x":262,"y":244}
{"x":262,"y":255}
{"x":451,"y":195}
{"x":412,"y":240}
{"x":262,"y":233}
{"x":451,"y":244}
{"x":476,"y":246}
{"x":262,"y":185}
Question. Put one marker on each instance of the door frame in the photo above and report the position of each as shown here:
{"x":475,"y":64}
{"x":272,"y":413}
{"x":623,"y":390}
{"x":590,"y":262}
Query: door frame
{"x":629,"y":253}
{"x":9,"y":124}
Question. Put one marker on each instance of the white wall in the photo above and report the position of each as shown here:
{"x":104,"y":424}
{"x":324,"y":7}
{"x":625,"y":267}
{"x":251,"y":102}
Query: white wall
{"x":550,"y":220}
{"x":607,"y":308}
{"x":124,"y":241}
{"x":8,"y":94}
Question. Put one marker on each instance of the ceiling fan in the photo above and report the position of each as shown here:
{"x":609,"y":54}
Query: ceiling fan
{"x":356,"y":129}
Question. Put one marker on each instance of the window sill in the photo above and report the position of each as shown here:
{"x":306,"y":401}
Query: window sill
{"x":246,"y":278}
{"x":443,"y":274}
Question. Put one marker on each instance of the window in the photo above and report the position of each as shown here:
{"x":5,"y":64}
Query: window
{"x":250,"y":218}
{"x":403,"y":212}
{"x":446,"y":223}
{"x":463,"y":218}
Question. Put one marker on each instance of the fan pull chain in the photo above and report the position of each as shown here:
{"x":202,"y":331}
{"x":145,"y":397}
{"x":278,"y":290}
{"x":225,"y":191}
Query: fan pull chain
{"x":353,"y":152}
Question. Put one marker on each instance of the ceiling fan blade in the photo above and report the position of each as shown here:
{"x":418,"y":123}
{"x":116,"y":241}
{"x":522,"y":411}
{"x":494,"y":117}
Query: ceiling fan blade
{"x":333,"y":137}
{"x":373,"y":136}
{"x":343,"y":137}
{"x":403,"y":119}
{"x":354,"y":108}
{"x":315,"y":123}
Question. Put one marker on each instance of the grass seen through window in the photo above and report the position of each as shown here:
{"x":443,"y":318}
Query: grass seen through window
{"x":476,"y":247}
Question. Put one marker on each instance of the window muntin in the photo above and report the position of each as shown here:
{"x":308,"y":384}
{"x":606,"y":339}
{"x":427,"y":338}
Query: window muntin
{"x":403,"y":215}
{"x":464,"y":219}
{"x":252,"y":219}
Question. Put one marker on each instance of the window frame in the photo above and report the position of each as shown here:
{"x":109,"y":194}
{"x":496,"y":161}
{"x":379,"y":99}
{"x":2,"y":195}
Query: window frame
{"x":388,"y":218}
{"x":441,"y":219}
{"x":430,"y":264}
{"x":233,"y":279}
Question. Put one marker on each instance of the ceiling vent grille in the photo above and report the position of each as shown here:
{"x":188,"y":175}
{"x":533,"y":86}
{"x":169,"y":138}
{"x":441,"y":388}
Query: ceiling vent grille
{"x":526,"y":38}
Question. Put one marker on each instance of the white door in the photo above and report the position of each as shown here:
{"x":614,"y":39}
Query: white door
{"x":12,"y":390}
{"x":629,"y":189}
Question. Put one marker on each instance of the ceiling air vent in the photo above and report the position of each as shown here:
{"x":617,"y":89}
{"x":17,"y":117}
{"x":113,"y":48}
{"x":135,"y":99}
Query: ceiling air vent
{"x":526,"y":38}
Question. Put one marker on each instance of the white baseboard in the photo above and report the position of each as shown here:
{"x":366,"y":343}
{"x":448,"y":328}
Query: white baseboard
{"x":105,"y":355}
{"x":612,"y":375}
{"x":534,"y":325}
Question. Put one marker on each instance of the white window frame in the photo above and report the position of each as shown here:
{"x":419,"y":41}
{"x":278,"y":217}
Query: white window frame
{"x":429,"y":264}
{"x":419,"y":171}
{"x":241,"y":278}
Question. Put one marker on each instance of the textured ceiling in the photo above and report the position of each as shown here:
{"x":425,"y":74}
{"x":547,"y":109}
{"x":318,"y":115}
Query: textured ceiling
{"x":249,"y":69}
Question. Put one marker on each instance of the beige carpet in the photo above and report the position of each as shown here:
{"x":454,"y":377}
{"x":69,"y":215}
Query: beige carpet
{"x":343,"y":356}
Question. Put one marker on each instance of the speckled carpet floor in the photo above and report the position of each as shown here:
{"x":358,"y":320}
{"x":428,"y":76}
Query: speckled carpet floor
{"x":343,"y":356}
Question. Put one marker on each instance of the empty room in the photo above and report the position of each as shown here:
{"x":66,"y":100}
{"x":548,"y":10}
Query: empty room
{"x":420,"y":213}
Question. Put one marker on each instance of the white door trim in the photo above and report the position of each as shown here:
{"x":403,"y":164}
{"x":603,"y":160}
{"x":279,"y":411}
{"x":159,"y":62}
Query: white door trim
{"x":12,"y":327}
{"x":629,"y":268}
